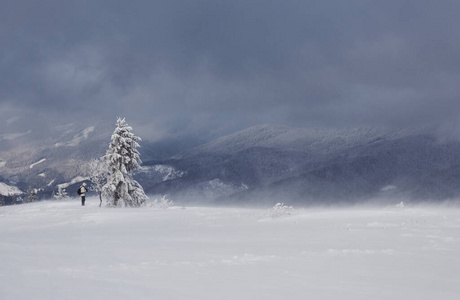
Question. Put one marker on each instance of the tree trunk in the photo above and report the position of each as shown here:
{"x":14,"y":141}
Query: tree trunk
{"x":116,"y":195}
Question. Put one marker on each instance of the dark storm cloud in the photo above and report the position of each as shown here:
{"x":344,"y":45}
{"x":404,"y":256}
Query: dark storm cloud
{"x":171,"y":66}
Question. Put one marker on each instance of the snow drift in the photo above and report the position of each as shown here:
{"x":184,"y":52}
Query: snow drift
{"x":60,"y":250}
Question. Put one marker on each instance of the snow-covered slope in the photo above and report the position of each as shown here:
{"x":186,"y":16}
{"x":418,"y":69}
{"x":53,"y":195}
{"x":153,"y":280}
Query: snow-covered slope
{"x":60,"y":250}
{"x":43,"y":162}
{"x":286,"y":138}
{"x":7,"y":190}
{"x":309,"y":165}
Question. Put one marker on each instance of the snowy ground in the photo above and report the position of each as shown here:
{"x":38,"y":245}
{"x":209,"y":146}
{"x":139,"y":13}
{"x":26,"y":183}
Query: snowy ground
{"x":60,"y":250}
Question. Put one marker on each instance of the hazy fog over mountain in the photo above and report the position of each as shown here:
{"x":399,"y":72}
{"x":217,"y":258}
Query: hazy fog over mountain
{"x":318,"y":166}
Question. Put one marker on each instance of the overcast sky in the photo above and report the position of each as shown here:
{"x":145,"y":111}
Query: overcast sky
{"x":213,"y":67}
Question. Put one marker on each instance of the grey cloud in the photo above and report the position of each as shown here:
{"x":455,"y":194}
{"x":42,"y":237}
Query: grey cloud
{"x":219,"y":66}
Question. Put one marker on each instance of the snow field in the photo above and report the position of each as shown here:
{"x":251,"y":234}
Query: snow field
{"x":60,"y":250}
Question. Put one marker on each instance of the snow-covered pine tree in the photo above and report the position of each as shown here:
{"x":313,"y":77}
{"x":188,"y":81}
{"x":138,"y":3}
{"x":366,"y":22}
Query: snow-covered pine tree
{"x":122,"y":158}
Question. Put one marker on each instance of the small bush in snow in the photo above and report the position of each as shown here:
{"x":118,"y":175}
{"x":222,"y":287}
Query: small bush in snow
{"x":280,"y":210}
{"x":163,"y":203}
{"x":31,"y":195}
{"x":61,"y":194}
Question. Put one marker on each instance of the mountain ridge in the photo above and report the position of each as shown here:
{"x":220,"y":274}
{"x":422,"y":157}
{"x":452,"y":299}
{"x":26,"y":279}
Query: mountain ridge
{"x":309,"y":165}
{"x":302,"y":165}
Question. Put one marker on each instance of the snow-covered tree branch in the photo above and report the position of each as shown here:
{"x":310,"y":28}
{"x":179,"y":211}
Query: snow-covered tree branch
{"x":98,"y":172}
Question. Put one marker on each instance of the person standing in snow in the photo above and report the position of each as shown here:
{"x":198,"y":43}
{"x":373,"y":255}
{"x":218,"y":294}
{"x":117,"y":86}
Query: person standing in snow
{"x":82,"y":192}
